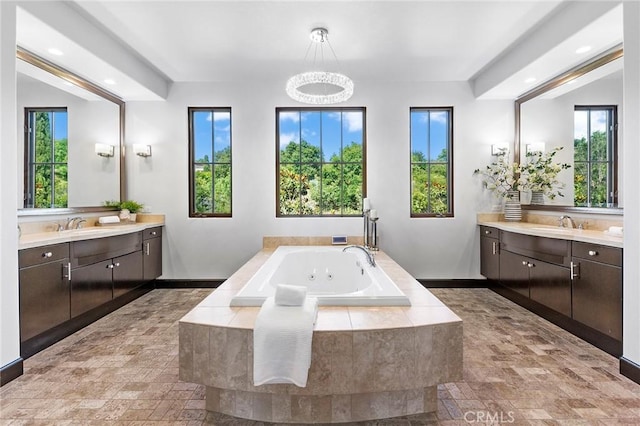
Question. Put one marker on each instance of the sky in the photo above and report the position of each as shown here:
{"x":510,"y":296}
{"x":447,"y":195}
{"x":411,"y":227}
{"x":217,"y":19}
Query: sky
{"x":325,"y":129}
{"x":429,"y":132}
{"x":210,"y":127}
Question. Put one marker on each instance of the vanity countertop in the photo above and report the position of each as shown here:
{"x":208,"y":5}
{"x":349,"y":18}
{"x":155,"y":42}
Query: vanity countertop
{"x":539,"y":230}
{"x":39,"y":239}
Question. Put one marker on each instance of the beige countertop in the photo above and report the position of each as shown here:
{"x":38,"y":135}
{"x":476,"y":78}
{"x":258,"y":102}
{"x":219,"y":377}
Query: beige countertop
{"x":39,"y":239}
{"x":549,"y":231}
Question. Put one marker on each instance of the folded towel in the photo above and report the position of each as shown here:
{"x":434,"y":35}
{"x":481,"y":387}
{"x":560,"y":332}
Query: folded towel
{"x":290,"y":295}
{"x":282,"y":342}
{"x":615,"y":230}
{"x":108,"y":219}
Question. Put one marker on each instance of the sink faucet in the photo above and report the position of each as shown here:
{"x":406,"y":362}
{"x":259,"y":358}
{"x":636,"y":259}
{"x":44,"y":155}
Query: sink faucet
{"x":70,"y":222}
{"x":370,"y":258}
{"x":570,"y":223}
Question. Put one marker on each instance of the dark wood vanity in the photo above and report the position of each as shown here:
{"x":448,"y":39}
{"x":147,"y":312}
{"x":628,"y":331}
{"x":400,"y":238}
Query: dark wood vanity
{"x":66,"y":286}
{"x":576,"y":285}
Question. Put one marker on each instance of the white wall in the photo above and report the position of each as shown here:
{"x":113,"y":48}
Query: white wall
{"x":215,"y":248}
{"x":631,"y":129}
{"x":92,"y":179}
{"x":9,"y":330}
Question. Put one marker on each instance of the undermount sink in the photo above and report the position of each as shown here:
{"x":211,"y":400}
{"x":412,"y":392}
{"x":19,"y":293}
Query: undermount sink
{"x":554,"y":230}
{"x":94,"y":230}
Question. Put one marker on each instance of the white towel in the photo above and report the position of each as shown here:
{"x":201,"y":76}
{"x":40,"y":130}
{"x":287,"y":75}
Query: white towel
{"x":108,"y":219}
{"x":290,"y":295}
{"x":282,"y":342}
{"x":616,"y":230}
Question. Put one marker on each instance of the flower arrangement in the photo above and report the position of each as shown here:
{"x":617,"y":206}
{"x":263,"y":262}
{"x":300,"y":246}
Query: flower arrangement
{"x":501,"y":177}
{"x":539,"y":173}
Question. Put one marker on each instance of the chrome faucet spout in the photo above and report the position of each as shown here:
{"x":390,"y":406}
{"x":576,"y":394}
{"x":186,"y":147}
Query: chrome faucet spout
{"x":570,"y":223}
{"x":370,"y":258}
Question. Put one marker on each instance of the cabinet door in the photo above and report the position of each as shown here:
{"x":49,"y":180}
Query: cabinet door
{"x":44,"y":298}
{"x":91,"y":286}
{"x":597,"y":297}
{"x":490,"y":258}
{"x":550,"y":285}
{"x":152,"y":259}
{"x":127,"y":273}
{"x":514,"y":273}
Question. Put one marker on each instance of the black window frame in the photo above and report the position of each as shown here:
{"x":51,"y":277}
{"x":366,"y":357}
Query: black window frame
{"x":449,"y":163}
{"x":192,"y":164}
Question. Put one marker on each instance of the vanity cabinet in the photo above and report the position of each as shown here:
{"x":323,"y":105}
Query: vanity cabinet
{"x":537,"y":268}
{"x":44,"y":288}
{"x":490,"y":252}
{"x":103,"y":269}
{"x":152,"y":253}
{"x":597,"y":287}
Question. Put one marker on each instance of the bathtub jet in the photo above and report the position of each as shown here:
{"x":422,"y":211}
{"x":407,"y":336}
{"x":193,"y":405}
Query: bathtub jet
{"x":335,"y":277}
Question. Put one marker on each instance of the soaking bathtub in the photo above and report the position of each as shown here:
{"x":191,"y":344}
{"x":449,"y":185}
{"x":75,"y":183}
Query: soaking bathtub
{"x":334,"y":276}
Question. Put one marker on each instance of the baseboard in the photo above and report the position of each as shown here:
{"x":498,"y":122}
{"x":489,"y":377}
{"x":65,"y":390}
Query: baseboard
{"x":454,"y":283}
{"x":630,"y":369}
{"x":187,"y":283}
{"x":11,"y":371}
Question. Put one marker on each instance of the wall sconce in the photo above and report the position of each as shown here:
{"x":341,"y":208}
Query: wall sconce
{"x":104,"y":150}
{"x":499,"y":149}
{"x":535,"y":147}
{"x":142,"y":150}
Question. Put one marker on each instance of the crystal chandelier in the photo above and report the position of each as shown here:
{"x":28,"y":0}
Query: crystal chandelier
{"x":319,"y":87}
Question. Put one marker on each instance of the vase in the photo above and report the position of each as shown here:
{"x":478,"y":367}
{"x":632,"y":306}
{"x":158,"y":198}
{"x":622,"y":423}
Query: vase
{"x":512,"y":207}
{"x":537,"y":197}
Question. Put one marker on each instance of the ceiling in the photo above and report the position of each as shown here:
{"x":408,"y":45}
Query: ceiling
{"x":144,"y":44}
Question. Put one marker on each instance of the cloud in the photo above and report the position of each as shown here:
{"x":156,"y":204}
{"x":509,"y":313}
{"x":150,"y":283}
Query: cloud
{"x":440,"y":117}
{"x":352,"y":120}
{"x":287,"y":138}
{"x":290,"y":116}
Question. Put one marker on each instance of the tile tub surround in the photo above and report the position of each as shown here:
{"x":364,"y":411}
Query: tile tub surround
{"x":366,"y":363}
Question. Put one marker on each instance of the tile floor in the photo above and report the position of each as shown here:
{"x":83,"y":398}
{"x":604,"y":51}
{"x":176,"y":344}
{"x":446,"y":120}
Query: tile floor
{"x":518,"y":370}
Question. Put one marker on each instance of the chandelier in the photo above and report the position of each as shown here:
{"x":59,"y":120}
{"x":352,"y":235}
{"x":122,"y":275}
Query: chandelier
{"x":319,"y":87}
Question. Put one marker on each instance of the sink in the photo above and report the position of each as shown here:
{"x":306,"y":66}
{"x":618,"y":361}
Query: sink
{"x":86,"y":231}
{"x":554,"y":230}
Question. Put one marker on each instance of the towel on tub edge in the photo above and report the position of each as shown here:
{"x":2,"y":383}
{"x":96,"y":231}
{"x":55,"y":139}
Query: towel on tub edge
{"x":282,"y":342}
{"x":290,"y":295}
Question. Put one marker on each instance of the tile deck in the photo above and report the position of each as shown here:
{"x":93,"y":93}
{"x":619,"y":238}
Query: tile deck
{"x":518,"y":370}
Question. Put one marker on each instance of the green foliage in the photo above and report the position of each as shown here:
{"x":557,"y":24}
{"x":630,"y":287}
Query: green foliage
{"x":50,"y":170}
{"x":132,"y":206}
{"x":429,"y":184}
{"x":590,"y":180}
{"x":213,"y":183}
{"x":540,"y":173}
{"x":311,"y":185}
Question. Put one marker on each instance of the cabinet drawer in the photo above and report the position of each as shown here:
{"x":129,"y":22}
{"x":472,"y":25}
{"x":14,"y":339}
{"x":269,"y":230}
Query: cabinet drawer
{"x":550,"y":250}
{"x":152,"y":233}
{"x":489,"y":232}
{"x":40,"y":255}
{"x":96,"y":250}
{"x":598,"y":253}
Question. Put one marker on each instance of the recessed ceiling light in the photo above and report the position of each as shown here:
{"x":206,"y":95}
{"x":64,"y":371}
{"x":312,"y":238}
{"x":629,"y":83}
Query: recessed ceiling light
{"x":109,"y":81}
{"x":530,"y":80}
{"x":55,"y":51}
{"x":583,"y":49}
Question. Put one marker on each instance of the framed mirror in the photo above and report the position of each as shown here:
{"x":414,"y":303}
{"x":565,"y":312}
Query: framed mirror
{"x":72,"y":140}
{"x":578,"y":112}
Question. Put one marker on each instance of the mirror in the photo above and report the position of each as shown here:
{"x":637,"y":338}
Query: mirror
{"x":578,"y":111}
{"x":74,"y":177}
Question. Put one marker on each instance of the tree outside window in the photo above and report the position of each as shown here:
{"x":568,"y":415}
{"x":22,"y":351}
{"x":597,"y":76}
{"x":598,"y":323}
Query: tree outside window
{"x":46,"y":156}
{"x":210,"y":162}
{"x":320,"y":161}
{"x":431,"y":161}
{"x":594,"y":156}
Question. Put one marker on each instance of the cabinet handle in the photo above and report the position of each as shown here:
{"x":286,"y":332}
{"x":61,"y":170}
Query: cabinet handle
{"x":147,"y":250}
{"x":593,"y":253}
{"x":68,"y":275}
{"x":47,"y":254}
{"x":574,"y":268}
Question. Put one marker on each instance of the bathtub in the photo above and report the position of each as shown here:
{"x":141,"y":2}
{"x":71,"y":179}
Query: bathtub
{"x":335,"y":277}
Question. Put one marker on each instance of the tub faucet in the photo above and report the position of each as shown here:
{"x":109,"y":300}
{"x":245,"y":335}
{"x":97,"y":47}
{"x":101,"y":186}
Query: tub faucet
{"x":370,"y":258}
{"x":570,"y":223}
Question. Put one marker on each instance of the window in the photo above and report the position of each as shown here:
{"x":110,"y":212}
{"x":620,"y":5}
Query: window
{"x":46,"y":147}
{"x":320,"y":161}
{"x":431,"y":162}
{"x":210,"y":162}
{"x":594,"y":156}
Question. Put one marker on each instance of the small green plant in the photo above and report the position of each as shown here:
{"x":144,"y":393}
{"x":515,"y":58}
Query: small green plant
{"x":111,"y":203}
{"x":132,"y":206}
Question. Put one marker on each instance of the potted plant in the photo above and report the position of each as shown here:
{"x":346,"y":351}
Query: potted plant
{"x":539,"y":174}
{"x":502,"y":178}
{"x":129,"y":210}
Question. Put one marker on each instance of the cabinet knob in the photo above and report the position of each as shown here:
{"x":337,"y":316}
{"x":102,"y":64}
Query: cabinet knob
{"x":47,"y":254}
{"x":154,"y":233}
{"x":110,"y":266}
{"x":530,"y":265}
{"x":487,"y":232}
{"x":593,"y":253}
{"x":524,"y":262}
{"x":117,"y":264}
